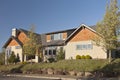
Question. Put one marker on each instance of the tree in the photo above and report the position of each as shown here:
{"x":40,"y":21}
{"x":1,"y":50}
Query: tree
{"x":2,"y":58}
{"x":61,"y":54}
{"x":13,"y":58}
{"x":108,"y":26}
{"x":32,"y":44}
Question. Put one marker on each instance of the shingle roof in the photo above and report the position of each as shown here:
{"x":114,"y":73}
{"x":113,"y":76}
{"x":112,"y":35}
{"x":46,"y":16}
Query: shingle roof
{"x":61,"y":31}
{"x":42,"y":37}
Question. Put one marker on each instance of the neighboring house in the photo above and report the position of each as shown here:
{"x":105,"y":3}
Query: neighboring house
{"x":77,"y":41}
{"x":15,"y":43}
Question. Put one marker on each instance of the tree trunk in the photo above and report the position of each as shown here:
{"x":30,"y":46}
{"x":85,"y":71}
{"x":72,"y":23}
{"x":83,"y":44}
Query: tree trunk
{"x":109,"y":56}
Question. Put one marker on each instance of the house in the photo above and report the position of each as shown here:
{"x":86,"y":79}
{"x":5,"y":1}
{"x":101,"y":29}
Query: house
{"x":15,"y":44}
{"x":77,"y":41}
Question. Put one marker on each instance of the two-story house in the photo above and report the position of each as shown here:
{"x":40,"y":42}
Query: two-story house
{"x":15,"y":44}
{"x":77,"y":41}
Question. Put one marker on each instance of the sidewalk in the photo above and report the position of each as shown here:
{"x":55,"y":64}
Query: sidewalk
{"x":56,"y":77}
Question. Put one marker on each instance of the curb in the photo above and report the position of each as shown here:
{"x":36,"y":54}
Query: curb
{"x":45,"y":77}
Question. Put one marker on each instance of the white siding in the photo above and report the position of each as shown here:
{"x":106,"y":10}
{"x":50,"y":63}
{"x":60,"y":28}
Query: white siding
{"x":17,"y":51}
{"x":95,"y":52}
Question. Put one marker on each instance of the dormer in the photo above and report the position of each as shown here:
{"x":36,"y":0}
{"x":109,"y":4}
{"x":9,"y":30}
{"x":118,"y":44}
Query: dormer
{"x":56,"y":36}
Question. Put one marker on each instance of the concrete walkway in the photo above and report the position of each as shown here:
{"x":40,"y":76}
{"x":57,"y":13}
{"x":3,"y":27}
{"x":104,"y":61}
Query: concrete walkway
{"x":55,"y":77}
{"x":58,"y":77}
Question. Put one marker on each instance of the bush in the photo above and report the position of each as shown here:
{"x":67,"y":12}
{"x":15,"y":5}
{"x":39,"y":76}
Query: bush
{"x":61,"y":54}
{"x":13,"y":58}
{"x":88,"y":57}
{"x":78,"y":57}
{"x":51,"y":60}
{"x":2,"y":58}
{"x":82,"y":57}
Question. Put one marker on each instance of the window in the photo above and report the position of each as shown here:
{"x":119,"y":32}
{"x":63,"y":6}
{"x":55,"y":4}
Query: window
{"x":84,"y":46}
{"x":78,"y":47}
{"x":52,"y":36}
{"x":50,"y":52}
{"x":90,"y":46}
{"x":57,"y":36}
{"x":18,"y":47}
{"x":45,"y":52}
{"x":54,"y":52}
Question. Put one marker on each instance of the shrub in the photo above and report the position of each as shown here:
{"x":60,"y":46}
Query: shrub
{"x":60,"y":54}
{"x":78,"y":57}
{"x":2,"y":58}
{"x":13,"y":58}
{"x":82,"y":57}
{"x":88,"y":57}
{"x":51,"y":60}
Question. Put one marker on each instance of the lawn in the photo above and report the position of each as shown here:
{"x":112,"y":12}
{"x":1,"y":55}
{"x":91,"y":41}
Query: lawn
{"x":68,"y":65}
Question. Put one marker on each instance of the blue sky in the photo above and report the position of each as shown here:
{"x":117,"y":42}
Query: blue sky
{"x":48,"y":15}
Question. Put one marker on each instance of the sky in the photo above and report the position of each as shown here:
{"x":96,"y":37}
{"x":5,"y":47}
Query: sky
{"x":48,"y":15}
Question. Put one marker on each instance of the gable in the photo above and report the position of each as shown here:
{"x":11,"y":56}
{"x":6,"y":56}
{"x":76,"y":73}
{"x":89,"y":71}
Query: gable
{"x":22,"y":37}
{"x":13,"y":43}
{"x":82,"y":34}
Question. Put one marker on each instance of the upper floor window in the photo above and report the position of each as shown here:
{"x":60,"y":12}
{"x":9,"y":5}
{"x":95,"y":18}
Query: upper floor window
{"x":84,"y":46}
{"x":57,"y":36}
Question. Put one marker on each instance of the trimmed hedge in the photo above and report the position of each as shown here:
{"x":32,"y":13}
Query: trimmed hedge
{"x":78,"y":57}
{"x":83,"y":57}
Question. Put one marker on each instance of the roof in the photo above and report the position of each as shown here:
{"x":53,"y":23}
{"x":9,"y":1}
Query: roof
{"x":12,"y":37}
{"x":42,"y":37}
{"x":61,"y":31}
{"x":55,"y":42}
{"x":18,"y":41}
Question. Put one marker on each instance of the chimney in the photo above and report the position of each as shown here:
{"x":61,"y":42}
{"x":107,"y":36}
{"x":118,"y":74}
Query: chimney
{"x":14,"y":32}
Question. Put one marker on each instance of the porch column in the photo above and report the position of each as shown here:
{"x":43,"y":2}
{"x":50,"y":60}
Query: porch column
{"x":25,"y":58}
{"x":6,"y":62}
{"x":36,"y":58}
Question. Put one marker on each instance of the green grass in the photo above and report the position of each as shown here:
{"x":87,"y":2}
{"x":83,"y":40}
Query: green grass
{"x":8,"y":68}
{"x":77,"y":65}
{"x":68,"y":65}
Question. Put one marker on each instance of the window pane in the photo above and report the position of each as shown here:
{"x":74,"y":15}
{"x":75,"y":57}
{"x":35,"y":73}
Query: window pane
{"x":50,"y":52}
{"x":54,"y":52}
{"x":45,"y":52}
{"x":79,"y":47}
{"x":90,"y":46}
{"x":17,"y":47}
{"x":61,"y":37}
{"x":52,"y":36}
{"x":84,"y":46}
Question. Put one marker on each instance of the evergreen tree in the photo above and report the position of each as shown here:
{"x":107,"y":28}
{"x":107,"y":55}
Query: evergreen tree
{"x":13,"y":58}
{"x":2,"y":58}
{"x":108,"y":26}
